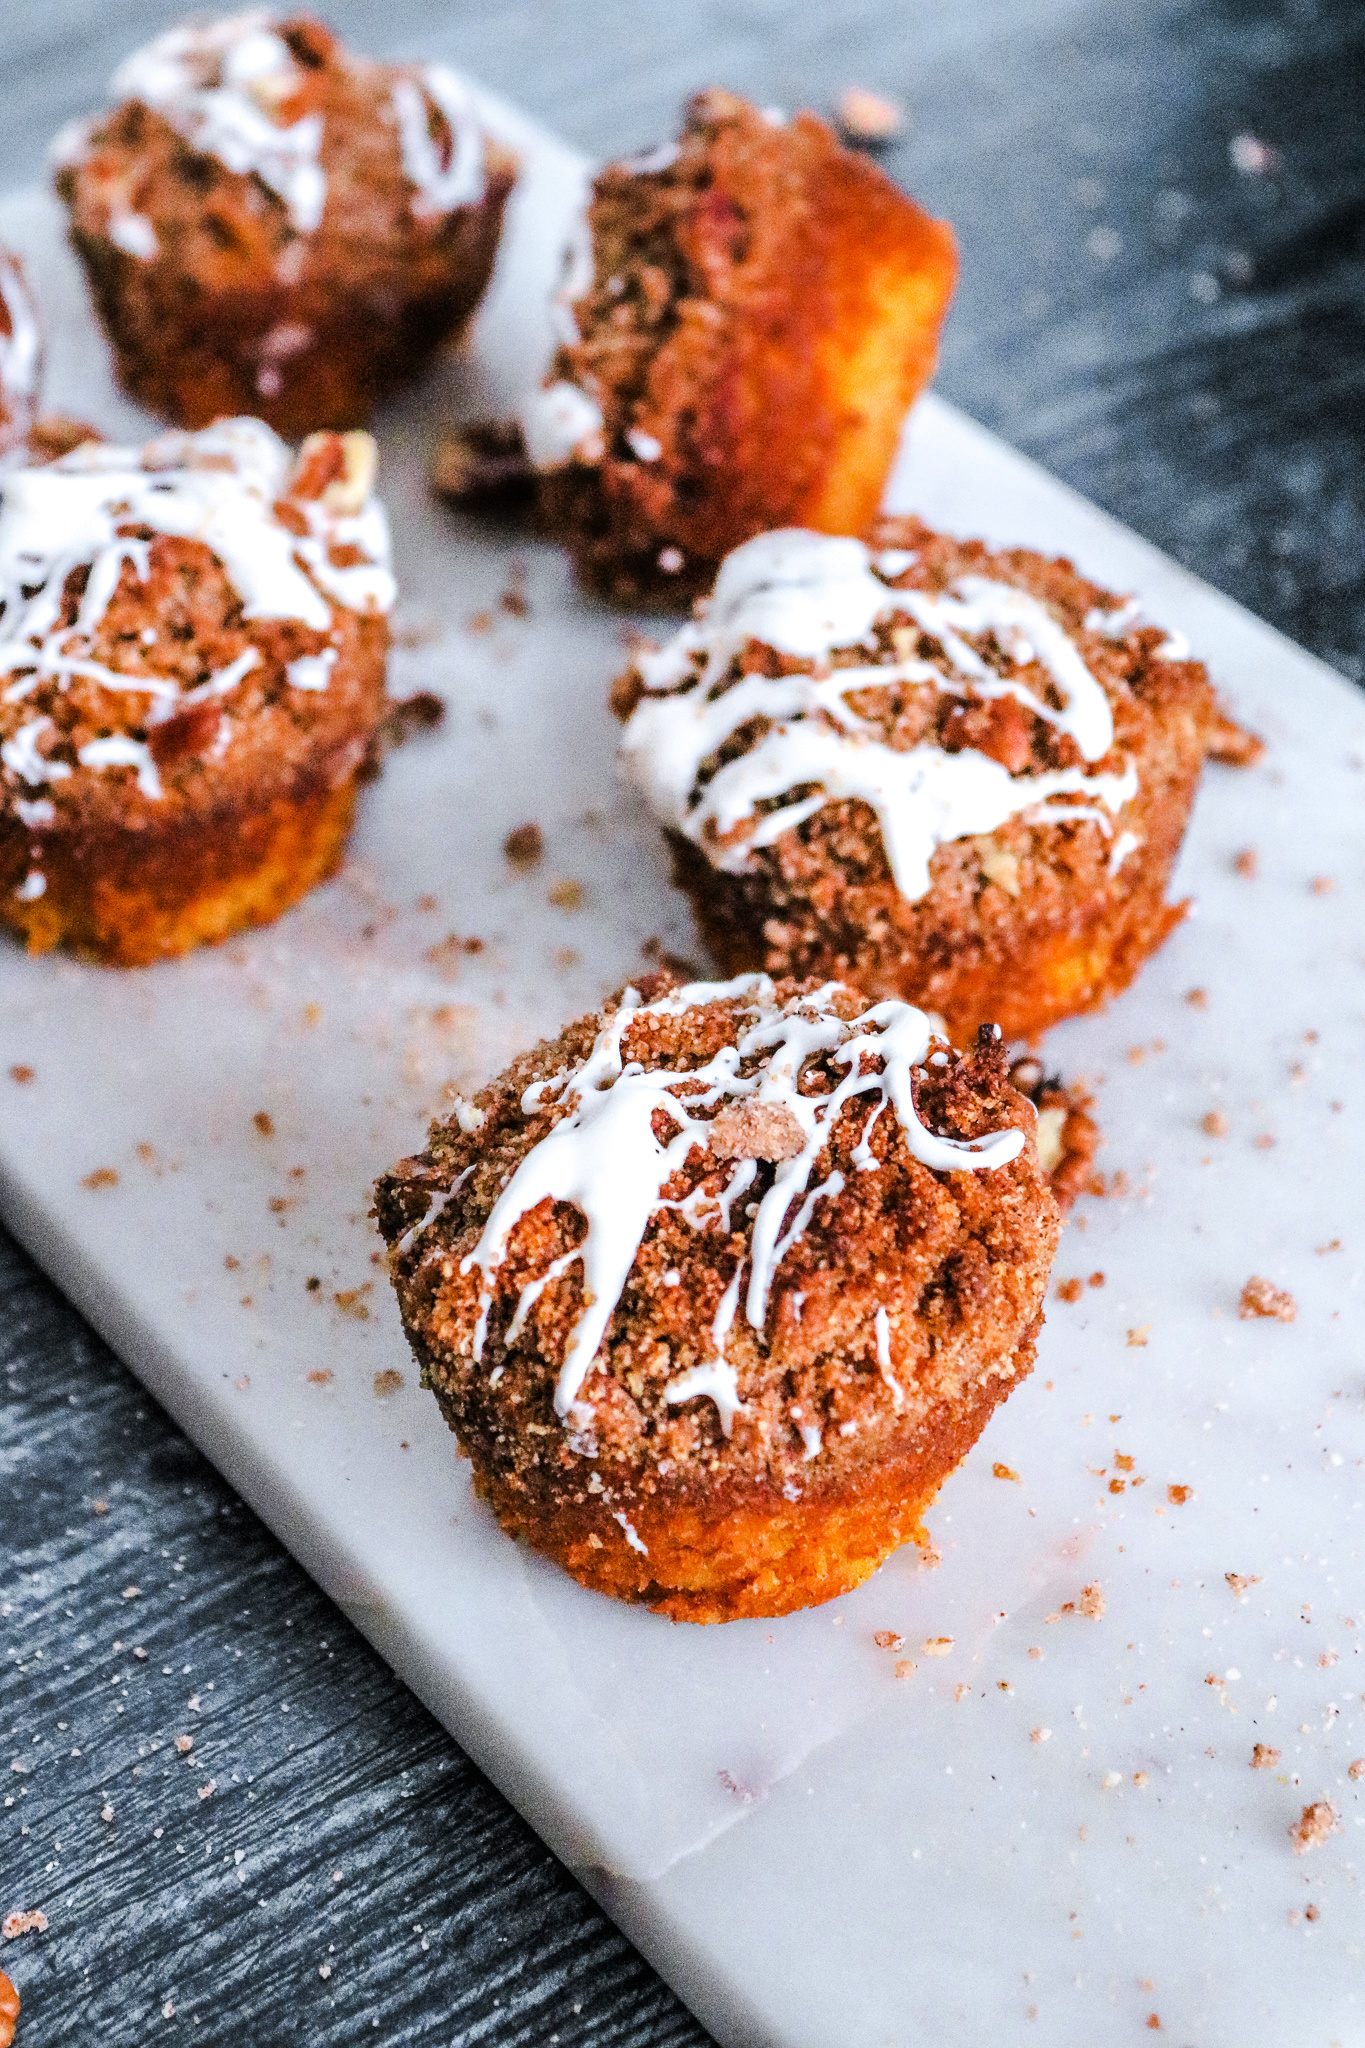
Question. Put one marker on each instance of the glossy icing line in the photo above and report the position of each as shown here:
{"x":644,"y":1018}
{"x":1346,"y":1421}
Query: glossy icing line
{"x":440,"y":184}
{"x":604,"y":1157}
{"x":809,"y":595}
{"x":221,"y":84}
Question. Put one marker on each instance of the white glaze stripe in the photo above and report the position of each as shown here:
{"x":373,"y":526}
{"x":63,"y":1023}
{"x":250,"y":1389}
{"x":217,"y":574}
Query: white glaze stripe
{"x":460,"y":182}
{"x":604,"y":1157}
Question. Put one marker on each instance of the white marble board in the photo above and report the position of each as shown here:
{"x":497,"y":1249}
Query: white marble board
{"x":813,"y":1851}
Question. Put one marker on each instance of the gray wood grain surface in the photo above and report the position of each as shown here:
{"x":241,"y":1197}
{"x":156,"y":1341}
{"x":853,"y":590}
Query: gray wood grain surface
{"x":1181,"y":340}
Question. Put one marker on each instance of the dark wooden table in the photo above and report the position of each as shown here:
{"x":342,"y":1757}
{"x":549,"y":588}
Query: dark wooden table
{"x":1183,"y":340}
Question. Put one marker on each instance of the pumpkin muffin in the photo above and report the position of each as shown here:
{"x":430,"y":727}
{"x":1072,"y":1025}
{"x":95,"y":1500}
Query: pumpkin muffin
{"x":759,"y":308}
{"x":192,"y":658}
{"x":716,"y":1288}
{"x":945,"y":774}
{"x":272,"y":225}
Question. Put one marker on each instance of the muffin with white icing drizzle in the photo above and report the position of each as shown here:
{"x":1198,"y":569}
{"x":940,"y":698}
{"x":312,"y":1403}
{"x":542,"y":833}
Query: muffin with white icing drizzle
{"x":273,"y":225}
{"x":21,"y":353}
{"x":740,"y":343}
{"x":193,"y":639}
{"x":716,"y":1288}
{"x":949,"y":775}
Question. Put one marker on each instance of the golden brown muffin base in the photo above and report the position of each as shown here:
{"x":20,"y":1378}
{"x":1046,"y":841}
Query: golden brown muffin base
{"x":762,"y":1556}
{"x":138,"y":897}
{"x":785,"y":302}
{"x":1025,"y":975}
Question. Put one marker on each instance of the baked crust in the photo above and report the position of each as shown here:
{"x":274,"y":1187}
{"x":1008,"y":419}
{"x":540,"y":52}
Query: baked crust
{"x":764,"y":308}
{"x":828,"y":1465}
{"x":226,"y":306}
{"x":215,"y":805}
{"x":1022,"y":926}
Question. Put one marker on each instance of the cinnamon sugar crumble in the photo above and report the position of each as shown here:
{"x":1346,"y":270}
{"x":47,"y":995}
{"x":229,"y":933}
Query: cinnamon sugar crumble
{"x":15,"y":1924}
{"x":1261,"y":1297}
{"x":1263,"y":1757}
{"x":1314,"y":1825}
{"x":1089,"y":1602}
{"x":1247,"y":864}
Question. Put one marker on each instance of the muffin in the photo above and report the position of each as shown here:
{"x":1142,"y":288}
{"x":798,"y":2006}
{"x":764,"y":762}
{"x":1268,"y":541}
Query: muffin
{"x":759,"y":308}
{"x":21,"y":354}
{"x":272,"y":225}
{"x":191,"y":678}
{"x":717,"y":1287}
{"x":943,"y":774}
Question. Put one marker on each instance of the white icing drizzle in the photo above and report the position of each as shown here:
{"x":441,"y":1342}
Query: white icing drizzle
{"x":35,"y":814}
{"x":632,"y":1535}
{"x":561,"y":424}
{"x":881,"y":1324}
{"x":312,"y":671}
{"x":20,"y":754}
{"x":644,"y":446}
{"x":218,"y":487}
{"x":134,"y":234}
{"x":808,"y":595}
{"x":32,"y":887}
{"x":434,"y":1208}
{"x":1126,"y":843}
{"x":21,"y":350}
{"x":120,"y":751}
{"x":605,"y":1159}
{"x":440,"y":187}
{"x":219,"y":84}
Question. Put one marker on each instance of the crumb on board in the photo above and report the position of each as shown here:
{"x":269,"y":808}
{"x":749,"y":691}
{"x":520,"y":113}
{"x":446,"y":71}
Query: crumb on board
{"x":1214,"y":1124}
{"x":887,"y":1639}
{"x":351,"y":1302}
{"x":1263,"y":1757}
{"x":23,"y":1075}
{"x":1178,"y":1495}
{"x":1247,"y":864}
{"x":1089,"y":1602}
{"x":567,"y":894}
{"x":1006,"y":1472}
{"x":1070,"y":1290}
{"x":936,"y":1646}
{"x":1197,"y":998}
{"x":99,"y":1507}
{"x":1040,"y":1735}
{"x":1355,"y":1771}
{"x":321,"y":1376}
{"x":1137,"y":1338}
{"x":1313,"y":1826}
{"x":862,"y":115}
{"x":184,"y":1744}
{"x":1322,"y":885}
{"x":1096,"y":1279}
{"x":524,"y":846}
{"x":387,"y":1382}
{"x":102,"y":1177}
{"x":1260,"y":1297}
{"x":1241,"y":1586}
{"x":264,"y":1123}
{"x":905,"y":1667}
{"x":17,"y":1923}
